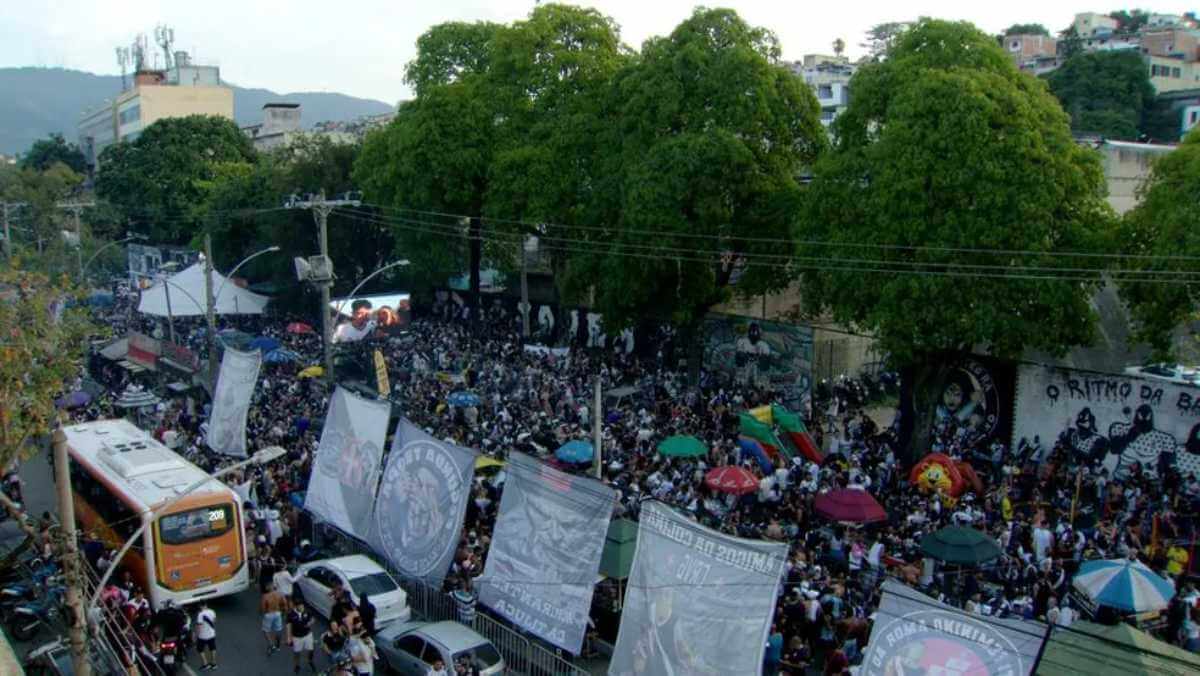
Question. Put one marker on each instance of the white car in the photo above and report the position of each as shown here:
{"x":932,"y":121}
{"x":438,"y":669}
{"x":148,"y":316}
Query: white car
{"x":359,"y":575}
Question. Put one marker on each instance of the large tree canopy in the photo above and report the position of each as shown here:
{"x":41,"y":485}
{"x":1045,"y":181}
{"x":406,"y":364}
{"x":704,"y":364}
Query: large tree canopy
{"x":45,"y":153}
{"x":156,"y":179}
{"x":1106,"y":93}
{"x":1164,"y":228}
{"x":1026,"y":29}
{"x":947,"y":150}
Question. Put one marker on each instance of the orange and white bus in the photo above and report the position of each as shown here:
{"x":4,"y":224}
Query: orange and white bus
{"x":120,"y":475}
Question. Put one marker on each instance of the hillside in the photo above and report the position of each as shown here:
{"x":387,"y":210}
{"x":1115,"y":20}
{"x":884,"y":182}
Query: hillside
{"x":41,"y":101}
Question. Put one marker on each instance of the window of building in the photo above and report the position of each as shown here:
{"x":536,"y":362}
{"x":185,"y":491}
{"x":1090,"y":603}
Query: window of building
{"x":825,"y":91}
{"x":1016,"y":44}
{"x":130,"y":114}
{"x":828,"y":114}
{"x":1176,"y":72}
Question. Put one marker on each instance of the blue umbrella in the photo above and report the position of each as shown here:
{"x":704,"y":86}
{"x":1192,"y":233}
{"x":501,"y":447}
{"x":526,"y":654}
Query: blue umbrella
{"x":74,"y":400}
{"x":1124,"y":584}
{"x":575,"y":452}
{"x":281,"y":356}
{"x":463,"y":399}
{"x":264,"y":343}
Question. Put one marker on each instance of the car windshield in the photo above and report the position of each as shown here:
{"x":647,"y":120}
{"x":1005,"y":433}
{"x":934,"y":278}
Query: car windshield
{"x":482,"y":656}
{"x":372,"y":584}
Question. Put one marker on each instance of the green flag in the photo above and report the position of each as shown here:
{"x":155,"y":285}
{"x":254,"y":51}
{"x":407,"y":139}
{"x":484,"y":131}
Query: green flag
{"x":790,"y":422}
{"x":762,"y":433}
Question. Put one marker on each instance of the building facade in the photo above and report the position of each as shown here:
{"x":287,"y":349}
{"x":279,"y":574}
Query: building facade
{"x":829,"y":78}
{"x":146,"y":261}
{"x":280,"y":126}
{"x":1126,"y":167}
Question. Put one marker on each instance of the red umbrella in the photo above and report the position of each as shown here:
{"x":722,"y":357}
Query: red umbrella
{"x":730,"y":479}
{"x":299,"y":327}
{"x":849,"y":505}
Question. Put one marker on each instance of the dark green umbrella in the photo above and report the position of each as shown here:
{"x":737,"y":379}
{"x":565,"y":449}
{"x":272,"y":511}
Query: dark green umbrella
{"x":682,"y":447}
{"x":961,"y":546}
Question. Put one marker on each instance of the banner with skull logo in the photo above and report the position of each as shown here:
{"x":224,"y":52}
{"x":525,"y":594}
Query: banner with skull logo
{"x":231,"y":402}
{"x":421,"y":503}
{"x":341,"y":489}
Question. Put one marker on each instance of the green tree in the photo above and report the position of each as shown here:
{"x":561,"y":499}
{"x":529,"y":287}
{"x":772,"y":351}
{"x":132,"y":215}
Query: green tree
{"x":713,"y":133}
{"x":1130,"y":21}
{"x":38,"y":223}
{"x":1070,"y":44}
{"x":450,"y":52}
{"x":45,"y":153}
{"x":156,"y":179}
{"x":1164,"y":227}
{"x":1106,"y":93}
{"x":945,"y":151}
{"x":1026,"y":29}
{"x":880,"y":38}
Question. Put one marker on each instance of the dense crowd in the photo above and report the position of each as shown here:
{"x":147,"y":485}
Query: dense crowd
{"x":1046,"y":520}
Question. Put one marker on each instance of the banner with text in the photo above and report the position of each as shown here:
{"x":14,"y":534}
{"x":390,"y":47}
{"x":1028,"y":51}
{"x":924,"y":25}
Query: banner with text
{"x":421,"y":503}
{"x":915,"y":634}
{"x":1113,"y":419}
{"x":545,"y":554}
{"x":231,"y":402}
{"x":341,"y":489}
{"x":698,"y":602}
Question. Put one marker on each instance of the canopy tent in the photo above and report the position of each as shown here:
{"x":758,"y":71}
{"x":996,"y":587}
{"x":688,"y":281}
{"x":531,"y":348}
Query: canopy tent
{"x":187,"y":294}
{"x":116,"y":350}
{"x":619,"y":546}
{"x":1117,"y":650}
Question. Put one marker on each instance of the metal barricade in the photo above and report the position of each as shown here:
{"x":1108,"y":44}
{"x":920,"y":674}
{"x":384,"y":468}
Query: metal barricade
{"x":546,"y":663}
{"x":512,"y":646}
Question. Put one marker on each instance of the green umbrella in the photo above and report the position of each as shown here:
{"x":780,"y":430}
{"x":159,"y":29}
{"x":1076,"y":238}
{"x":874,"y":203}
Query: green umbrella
{"x":682,"y":447}
{"x":960,"y":546}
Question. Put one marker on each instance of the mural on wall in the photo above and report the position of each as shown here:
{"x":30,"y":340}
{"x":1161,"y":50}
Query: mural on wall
{"x":977,"y":396}
{"x":752,"y":351}
{"x":1116,"y":420}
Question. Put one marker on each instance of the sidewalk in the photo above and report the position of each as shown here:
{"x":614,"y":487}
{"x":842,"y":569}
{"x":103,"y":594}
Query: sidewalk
{"x":9,"y":664}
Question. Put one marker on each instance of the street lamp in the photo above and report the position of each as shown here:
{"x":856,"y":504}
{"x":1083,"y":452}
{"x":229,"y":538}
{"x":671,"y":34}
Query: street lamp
{"x":262,"y":457}
{"x":211,"y":307}
{"x":329,"y":343}
{"x":130,"y":238}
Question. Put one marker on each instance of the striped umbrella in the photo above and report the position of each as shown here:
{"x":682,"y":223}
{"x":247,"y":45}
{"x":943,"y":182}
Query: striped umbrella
{"x":135,"y":397}
{"x":1124,"y":584}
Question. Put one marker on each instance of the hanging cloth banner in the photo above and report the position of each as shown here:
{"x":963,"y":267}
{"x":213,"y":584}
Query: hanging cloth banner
{"x":231,"y":402}
{"x":421,"y":504}
{"x":341,"y":489}
{"x":545,"y":555}
{"x":699,"y":601}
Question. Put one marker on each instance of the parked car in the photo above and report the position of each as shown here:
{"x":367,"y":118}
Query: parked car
{"x":359,"y":575}
{"x":410,"y":648}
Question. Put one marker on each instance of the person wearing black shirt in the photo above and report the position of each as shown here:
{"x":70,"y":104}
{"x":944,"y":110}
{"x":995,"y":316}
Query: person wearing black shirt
{"x":299,"y":636}
{"x":366,"y":613}
{"x":334,"y":642}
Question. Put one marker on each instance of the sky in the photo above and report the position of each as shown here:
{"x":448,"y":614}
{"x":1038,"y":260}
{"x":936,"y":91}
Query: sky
{"x":359,"y":47}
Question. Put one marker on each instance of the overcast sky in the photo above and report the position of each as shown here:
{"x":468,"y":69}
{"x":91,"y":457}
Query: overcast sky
{"x":359,"y":47}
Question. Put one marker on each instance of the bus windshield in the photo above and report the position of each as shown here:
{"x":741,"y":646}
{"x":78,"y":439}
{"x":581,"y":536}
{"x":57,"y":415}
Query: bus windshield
{"x":196,"y":524}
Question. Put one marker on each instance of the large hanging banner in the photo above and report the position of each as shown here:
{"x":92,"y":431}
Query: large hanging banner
{"x":915,"y":634}
{"x":748,"y":350}
{"x":341,"y":489}
{"x":699,"y":602}
{"x":1114,"y":419}
{"x":545,"y":554}
{"x":421,"y":503}
{"x":231,"y":402}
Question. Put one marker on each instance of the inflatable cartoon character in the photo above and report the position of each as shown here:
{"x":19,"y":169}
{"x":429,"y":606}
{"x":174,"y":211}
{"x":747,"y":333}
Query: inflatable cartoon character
{"x":938,"y":473}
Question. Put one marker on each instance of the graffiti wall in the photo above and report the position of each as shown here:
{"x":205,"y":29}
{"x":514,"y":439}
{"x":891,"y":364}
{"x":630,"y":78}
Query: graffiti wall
{"x":977,"y":395}
{"x":747,"y":350}
{"x":1113,"y":419}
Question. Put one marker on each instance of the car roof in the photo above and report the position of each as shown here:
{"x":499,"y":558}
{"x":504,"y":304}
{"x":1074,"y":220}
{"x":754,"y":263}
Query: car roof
{"x":453,"y":636}
{"x":353,"y":566}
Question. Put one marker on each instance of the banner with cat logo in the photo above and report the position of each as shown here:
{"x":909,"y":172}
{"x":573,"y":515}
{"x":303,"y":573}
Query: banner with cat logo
{"x":231,"y":402}
{"x":345,"y":470}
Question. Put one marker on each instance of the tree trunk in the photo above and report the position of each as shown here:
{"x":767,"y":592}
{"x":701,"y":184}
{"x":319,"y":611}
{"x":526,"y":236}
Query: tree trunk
{"x":692,"y":335}
{"x":475,"y":253}
{"x":930,"y":375}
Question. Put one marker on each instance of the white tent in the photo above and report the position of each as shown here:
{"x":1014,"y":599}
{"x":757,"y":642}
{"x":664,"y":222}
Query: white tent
{"x":186,"y":290}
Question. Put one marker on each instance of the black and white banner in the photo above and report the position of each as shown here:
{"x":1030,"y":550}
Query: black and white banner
{"x":231,"y":402}
{"x":421,"y":502}
{"x":345,"y":470}
{"x":698,"y":601}
{"x":915,"y":634}
{"x":545,"y":554}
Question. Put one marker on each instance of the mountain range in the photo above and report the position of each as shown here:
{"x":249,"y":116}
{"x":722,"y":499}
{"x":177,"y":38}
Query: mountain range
{"x":37,"y":102}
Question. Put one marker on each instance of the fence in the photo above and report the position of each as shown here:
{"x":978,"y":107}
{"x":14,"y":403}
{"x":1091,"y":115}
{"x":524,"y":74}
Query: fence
{"x":522,"y":655}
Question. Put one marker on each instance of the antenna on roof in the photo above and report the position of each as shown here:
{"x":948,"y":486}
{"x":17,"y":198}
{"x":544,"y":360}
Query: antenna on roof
{"x":164,"y":36}
{"x":123,"y":61}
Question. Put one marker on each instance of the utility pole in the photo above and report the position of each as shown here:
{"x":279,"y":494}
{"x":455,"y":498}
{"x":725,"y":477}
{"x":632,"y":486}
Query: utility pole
{"x":77,"y":208}
{"x":9,"y":207}
{"x":210,"y":314}
{"x":525,"y":308}
{"x":321,"y":209}
{"x":597,"y":440}
{"x":77,"y":632}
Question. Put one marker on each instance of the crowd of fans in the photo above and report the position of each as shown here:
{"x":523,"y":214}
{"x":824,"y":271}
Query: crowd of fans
{"x":536,"y":400}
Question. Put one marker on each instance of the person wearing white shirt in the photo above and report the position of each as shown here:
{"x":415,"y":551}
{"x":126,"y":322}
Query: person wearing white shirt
{"x":284,"y":582}
{"x":1043,"y":541}
{"x":875,"y":554}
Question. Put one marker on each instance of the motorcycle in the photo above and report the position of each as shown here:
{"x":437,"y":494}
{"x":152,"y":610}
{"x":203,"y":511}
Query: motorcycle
{"x":29,"y":618}
{"x":169,"y":657}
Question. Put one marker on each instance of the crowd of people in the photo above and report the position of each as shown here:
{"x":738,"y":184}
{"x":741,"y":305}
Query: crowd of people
{"x":536,"y":400}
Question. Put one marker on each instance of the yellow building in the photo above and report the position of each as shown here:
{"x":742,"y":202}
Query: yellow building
{"x":185,"y":89}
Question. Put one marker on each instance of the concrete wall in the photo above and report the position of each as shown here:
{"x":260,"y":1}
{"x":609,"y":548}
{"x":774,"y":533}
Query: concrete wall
{"x":163,"y":102}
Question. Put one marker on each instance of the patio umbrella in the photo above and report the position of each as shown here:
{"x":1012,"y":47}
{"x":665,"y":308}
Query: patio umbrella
{"x":135,"y":397}
{"x":264,"y":343}
{"x":682,"y":447}
{"x":731,"y":479}
{"x":74,"y":400}
{"x":1123,"y":584}
{"x":463,"y":399}
{"x":281,"y":356}
{"x":311,"y":372}
{"x":234,"y":338}
{"x":299,"y":327}
{"x":574,"y":452}
{"x":849,"y":505}
{"x":961,"y":546}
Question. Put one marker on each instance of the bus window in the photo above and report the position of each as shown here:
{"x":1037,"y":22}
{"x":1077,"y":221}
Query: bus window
{"x":196,"y":524}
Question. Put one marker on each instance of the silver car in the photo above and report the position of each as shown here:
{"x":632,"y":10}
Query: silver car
{"x":411,"y":648}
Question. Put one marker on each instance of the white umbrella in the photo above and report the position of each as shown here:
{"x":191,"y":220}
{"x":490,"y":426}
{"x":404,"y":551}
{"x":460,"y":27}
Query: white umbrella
{"x":135,"y":397}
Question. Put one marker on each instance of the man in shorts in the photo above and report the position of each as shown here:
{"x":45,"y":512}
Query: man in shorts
{"x":206,"y":637}
{"x":299,"y":636}
{"x":272,"y":607}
